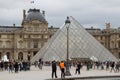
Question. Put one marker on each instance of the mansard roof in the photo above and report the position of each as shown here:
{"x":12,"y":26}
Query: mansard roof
{"x":35,"y":14}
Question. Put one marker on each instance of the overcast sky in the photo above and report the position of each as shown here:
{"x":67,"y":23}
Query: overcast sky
{"x":88,"y":12}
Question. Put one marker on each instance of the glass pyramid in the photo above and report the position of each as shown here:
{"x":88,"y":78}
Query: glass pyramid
{"x":81,"y":45}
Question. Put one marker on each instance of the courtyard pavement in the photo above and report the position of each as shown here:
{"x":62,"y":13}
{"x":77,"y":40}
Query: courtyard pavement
{"x":45,"y":73}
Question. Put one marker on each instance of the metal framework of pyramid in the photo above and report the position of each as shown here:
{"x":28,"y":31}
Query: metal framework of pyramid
{"x":81,"y":45}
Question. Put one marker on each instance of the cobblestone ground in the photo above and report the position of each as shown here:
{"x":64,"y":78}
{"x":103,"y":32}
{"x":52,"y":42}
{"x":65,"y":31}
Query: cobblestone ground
{"x":45,"y":73}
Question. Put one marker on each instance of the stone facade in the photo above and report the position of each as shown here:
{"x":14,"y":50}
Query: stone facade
{"x":109,"y":37}
{"x":23,"y":42}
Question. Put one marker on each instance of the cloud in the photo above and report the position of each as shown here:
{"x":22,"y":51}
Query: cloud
{"x":87,"y":12}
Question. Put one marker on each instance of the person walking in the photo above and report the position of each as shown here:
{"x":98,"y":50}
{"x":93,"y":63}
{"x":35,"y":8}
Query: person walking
{"x":2,"y":66}
{"x":16,"y":66}
{"x":78,"y":67}
{"x":54,"y":69}
{"x":11,"y":67}
{"x":62,"y":68}
{"x":40,"y":64}
{"x":112,"y":66}
{"x":117,"y":67}
{"x":107,"y":65}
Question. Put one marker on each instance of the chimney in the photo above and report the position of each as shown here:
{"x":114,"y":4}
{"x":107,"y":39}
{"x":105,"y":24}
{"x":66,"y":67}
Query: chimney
{"x":43,"y":12}
{"x":107,"y":25}
{"x":24,"y":14}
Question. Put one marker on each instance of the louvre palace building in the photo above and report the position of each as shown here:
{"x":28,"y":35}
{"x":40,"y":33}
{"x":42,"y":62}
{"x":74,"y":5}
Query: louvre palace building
{"x":23,"y":42}
{"x":108,"y":37}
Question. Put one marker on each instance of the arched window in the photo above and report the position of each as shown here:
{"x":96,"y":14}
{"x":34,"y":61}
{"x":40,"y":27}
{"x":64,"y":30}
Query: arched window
{"x":35,"y":44}
{"x":28,"y":44}
{"x":8,"y":55}
{"x":20,"y":56}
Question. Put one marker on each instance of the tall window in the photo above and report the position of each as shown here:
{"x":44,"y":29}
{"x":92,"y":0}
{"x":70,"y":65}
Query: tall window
{"x":28,"y":36}
{"x":0,"y":44}
{"x":119,"y":44}
{"x":20,"y":36}
{"x":8,"y":44}
{"x":28,"y":44}
{"x":101,"y":37}
{"x":35,"y":44}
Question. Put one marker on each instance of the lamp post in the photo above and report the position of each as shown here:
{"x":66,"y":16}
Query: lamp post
{"x":67,"y":23}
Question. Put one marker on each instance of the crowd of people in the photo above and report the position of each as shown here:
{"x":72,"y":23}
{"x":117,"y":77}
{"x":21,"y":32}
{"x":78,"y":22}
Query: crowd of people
{"x":15,"y":66}
{"x":108,"y":65}
{"x":62,"y":66}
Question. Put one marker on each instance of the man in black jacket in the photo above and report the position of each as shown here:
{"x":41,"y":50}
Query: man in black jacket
{"x":54,"y":68}
{"x":78,"y":67}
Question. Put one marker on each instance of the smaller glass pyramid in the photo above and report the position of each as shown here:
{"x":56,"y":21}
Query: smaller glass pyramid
{"x":81,"y":45}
